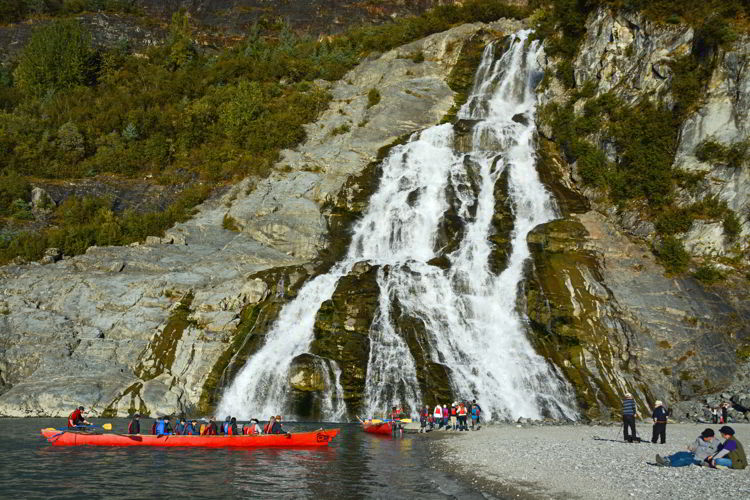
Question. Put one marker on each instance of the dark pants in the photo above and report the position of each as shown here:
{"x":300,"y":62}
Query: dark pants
{"x":660,"y":430}
{"x":628,"y":421}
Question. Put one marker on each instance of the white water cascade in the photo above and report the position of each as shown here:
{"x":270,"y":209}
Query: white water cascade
{"x":469,"y":312}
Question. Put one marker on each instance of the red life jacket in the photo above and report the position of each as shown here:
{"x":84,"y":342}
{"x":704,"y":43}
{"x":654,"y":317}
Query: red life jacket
{"x":462,"y":411}
{"x":74,"y":418}
{"x":395,"y":415}
{"x":453,"y":411}
{"x":267,"y":428}
{"x":229,"y":430}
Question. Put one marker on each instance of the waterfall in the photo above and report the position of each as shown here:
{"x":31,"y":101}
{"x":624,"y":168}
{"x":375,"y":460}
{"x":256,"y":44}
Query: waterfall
{"x":469,"y":312}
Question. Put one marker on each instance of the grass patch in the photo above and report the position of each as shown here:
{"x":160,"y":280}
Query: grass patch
{"x":708,"y":274}
{"x":230,"y":223}
{"x":373,"y":97}
{"x":673,"y":256}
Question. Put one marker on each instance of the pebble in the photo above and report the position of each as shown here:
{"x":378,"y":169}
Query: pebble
{"x":565,"y":461}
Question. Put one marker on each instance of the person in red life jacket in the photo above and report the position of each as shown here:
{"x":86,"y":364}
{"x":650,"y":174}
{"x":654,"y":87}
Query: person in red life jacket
{"x":254,"y":427}
{"x":395,"y":413}
{"x":232,"y":428}
{"x":76,"y":418}
{"x":210,"y":429}
{"x":179,"y":429}
{"x":190,"y":429}
{"x":134,"y":427}
{"x":269,"y":425}
{"x":462,"y":412}
{"x":277,"y":428}
{"x":453,"y":415}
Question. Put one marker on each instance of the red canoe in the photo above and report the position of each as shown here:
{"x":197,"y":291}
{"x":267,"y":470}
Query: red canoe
{"x":377,"y":427}
{"x":299,"y":439}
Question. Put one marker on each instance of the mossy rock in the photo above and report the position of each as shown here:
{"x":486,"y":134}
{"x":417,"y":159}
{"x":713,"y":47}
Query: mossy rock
{"x":503,"y":222}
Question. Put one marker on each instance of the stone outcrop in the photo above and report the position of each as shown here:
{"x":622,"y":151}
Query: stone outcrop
{"x":114,"y":330}
{"x":600,"y":306}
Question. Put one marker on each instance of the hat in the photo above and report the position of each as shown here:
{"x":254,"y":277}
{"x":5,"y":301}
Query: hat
{"x":194,"y":420}
{"x":707,"y":433}
{"x":80,"y":408}
{"x":727,"y":430}
{"x":137,"y":415}
{"x":628,"y":395}
{"x":166,"y":417}
{"x":658,"y":403}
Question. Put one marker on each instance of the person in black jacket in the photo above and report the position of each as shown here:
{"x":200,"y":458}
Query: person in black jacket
{"x":660,"y":422}
{"x":134,"y":427}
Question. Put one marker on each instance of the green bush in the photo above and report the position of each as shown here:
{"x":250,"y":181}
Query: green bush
{"x":373,"y":97}
{"x":708,"y":274}
{"x":672,"y":255}
{"x":732,"y":225}
{"x":58,"y":56}
{"x":12,"y":187}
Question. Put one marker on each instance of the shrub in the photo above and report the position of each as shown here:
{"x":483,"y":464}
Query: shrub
{"x":12,"y":187}
{"x":732,"y":225}
{"x":58,"y":56}
{"x":708,"y":274}
{"x":230,"y":223}
{"x":673,"y":256}
{"x":373,"y":97}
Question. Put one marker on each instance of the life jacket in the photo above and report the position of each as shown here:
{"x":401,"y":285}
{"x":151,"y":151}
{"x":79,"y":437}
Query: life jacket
{"x":267,"y":428}
{"x":75,"y":418}
{"x":426,"y":412}
{"x":153,"y":427}
{"x":209,"y":430}
{"x":453,"y":411}
{"x":462,"y":411}
{"x":474,"y":411}
{"x":179,"y":429}
{"x":445,"y":413}
{"x":203,"y":429}
{"x":395,"y":415}
{"x":438,"y":413}
{"x":161,"y":428}
{"x":228,"y":429}
{"x":131,"y":426}
{"x":190,"y":430}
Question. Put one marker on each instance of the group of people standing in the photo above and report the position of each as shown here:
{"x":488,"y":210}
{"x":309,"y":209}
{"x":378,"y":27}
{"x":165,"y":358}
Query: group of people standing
{"x":230,"y":427}
{"x":455,"y":418}
{"x":659,"y":415}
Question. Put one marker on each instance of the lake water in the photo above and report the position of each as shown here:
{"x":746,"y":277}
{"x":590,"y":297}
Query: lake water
{"x":356,"y":465}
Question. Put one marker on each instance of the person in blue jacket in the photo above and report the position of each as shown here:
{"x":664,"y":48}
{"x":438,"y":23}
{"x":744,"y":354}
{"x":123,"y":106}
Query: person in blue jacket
{"x":180,"y":427}
{"x":190,"y":428}
{"x":163,"y":428}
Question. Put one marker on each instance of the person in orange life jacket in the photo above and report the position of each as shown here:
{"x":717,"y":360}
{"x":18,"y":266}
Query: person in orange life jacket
{"x":210,"y":429}
{"x":180,"y":427}
{"x":232,"y":427}
{"x":453,"y":416}
{"x":277,"y":428}
{"x":253,"y":428}
{"x":462,"y":412}
{"x":163,"y":427}
{"x":190,"y":428}
{"x":269,"y":425}
{"x":395,"y":413}
{"x":660,"y":423}
{"x":134,"y":427}
{"x":76,"y":418}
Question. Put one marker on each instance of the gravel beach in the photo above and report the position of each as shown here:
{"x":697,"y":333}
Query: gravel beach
{"x":587,"y":462}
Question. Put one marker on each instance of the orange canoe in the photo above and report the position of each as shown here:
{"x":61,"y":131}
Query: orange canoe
{"x":299,"y":439}
{"x":377,"y":427}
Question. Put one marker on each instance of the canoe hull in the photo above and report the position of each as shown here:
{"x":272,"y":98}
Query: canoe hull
{"x":300,"y":439}
{"x":378,"y":428}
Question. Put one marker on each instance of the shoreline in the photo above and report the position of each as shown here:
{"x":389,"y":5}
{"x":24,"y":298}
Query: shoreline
{"x":581,"y":461}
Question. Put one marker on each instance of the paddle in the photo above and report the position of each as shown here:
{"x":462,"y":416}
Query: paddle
{"x":106,"y":427}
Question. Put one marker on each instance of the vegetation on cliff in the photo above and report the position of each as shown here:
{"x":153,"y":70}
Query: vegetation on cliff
{"x":178,"y":114}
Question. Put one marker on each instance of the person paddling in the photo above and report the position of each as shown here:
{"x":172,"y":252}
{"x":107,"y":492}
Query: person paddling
{"x":134,"y":427}
{"x":269,"y":426}
{"x":210,"y":429}
{"x":190,"y":428}
{"x":163,"y":427}
{"x":277,"y":428}
{"x":76,"y":418}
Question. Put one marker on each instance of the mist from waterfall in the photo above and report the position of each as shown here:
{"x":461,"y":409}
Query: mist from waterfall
{"x":469,"y":313}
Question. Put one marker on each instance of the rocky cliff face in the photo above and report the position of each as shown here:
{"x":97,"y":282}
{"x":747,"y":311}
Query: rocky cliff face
{"x":600,"y":306}
{"x":160,"y":327}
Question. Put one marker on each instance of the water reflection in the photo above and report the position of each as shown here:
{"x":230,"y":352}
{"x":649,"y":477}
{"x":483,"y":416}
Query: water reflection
{"x":355,"y":466}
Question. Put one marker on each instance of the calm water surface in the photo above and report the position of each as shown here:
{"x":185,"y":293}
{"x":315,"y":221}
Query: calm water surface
{"x":356,"y":465}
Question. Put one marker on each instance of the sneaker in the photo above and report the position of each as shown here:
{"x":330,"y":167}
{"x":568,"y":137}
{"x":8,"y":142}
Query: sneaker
{"x":662,"y":461}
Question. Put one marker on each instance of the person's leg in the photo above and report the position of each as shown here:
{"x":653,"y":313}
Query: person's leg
{"x":726,"y":462}
{"x":663,"y":433}
{"x":625,"y":428}
{"x":681,"y":459}
{"x":654,"y":433}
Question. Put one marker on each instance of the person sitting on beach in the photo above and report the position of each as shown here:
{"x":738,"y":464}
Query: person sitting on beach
{"x":704,"y":446}
{"x":660,"y":422}
{"x":134,"y":427}
{"x":190,"y":428}
{"x":163,"y":427}
{"x":76,"y":418}
{"x":731,"y":453}
{"x":628,"y":417}
{"x":211,"y":428}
